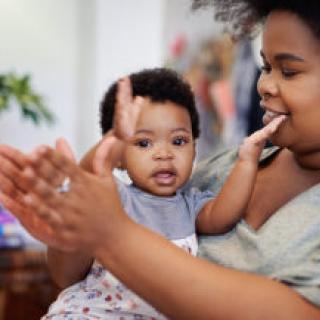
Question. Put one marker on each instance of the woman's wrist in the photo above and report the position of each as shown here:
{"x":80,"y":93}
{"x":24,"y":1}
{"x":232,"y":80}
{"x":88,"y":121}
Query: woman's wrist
{"x":113,"y":240}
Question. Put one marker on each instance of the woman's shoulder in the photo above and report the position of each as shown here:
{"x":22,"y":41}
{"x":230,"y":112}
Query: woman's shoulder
{"x":209,"y":173}
{"x":212,"y":172}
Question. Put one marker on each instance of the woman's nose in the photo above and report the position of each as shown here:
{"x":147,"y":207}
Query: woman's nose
{"x":267,"y":87}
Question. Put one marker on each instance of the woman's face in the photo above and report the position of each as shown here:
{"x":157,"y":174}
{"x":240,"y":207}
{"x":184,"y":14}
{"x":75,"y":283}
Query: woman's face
{"x":290,"y":81}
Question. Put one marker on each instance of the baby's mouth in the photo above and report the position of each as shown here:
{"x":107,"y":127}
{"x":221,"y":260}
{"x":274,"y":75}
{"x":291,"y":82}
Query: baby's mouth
{"x":164,"y":177}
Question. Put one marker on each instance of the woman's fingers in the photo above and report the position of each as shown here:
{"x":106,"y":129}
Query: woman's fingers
{"x":56,"y":163}
{"x":12,"y":181}
{"x":43,"y":211}
{"x":37,"y":227}
{"x":13,"y":155}
{"x":45,"y":170}
{"x":16,"y":208}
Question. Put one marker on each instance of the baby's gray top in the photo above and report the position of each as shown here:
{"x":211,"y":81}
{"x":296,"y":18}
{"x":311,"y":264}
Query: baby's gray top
{"x":172,"y":217}
{"x":286,"y":247}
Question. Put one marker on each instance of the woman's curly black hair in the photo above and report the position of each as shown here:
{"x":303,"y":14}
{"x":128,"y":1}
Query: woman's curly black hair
{"x":244,"y":16}
{"x":159,"y":85}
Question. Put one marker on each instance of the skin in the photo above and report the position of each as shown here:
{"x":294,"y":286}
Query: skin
{"x":159,"y":156}
{"x":289,"y":70}
{"x":290,"y":172}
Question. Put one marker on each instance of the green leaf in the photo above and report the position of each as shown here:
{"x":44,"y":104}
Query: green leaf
{"x":17,"y":90}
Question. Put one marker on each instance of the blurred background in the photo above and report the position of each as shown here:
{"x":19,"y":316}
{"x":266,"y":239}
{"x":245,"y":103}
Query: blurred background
{"x":58,"y":57}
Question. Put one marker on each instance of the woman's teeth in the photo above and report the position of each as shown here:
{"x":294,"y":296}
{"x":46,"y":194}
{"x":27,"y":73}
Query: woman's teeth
{"x":272,"y":114}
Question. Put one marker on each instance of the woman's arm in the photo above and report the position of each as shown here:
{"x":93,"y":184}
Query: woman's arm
{"x":186,"y":287}
{"x":178,"y":284}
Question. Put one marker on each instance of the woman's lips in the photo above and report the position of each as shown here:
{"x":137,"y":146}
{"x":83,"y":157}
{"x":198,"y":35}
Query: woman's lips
{"x":271,"y":115}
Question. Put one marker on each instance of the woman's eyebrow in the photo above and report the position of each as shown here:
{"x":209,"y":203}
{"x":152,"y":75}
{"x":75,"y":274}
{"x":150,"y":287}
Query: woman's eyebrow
{"x":284,"y":56}
{"x":288,"y":56}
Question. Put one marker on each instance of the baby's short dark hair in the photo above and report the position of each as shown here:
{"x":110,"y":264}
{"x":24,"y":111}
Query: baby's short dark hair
{"x":159,"y":85}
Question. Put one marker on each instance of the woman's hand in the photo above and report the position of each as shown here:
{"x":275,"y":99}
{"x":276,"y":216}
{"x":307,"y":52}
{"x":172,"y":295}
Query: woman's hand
{"x":13,"y":187}
{"x":80,"y":217}
{"x":68,"y":221}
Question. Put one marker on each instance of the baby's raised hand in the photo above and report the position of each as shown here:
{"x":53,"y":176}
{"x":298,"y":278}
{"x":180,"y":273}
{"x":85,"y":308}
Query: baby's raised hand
{"x":127,"y":110}
{"x":252,"y":146}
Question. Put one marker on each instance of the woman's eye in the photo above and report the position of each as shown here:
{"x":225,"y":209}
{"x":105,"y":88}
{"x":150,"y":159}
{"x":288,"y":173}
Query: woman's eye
{"x":144,"y":143}
{"x":266,"y":68}
{"x":180,"y":141}
{"x":287,"y":73}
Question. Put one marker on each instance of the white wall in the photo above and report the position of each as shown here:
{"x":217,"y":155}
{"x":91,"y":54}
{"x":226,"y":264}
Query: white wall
{"x":39,"y":37}
{"x":128,"y":36}
{"x":74,"y":49}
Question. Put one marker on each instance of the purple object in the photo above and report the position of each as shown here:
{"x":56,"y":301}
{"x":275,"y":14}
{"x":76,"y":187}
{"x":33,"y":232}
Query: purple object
{"x":5,"y":216}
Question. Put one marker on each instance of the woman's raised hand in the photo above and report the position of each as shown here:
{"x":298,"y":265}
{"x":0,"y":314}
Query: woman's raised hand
{"x":76,"y":219}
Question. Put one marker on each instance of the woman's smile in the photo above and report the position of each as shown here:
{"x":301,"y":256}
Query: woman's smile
{"x":271,"y":115}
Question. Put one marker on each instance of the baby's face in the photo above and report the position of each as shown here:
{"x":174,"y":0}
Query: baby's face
{"x":160,"y":155}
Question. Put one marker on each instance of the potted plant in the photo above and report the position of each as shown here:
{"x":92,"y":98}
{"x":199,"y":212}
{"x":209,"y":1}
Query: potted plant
{"x":17,"y":90}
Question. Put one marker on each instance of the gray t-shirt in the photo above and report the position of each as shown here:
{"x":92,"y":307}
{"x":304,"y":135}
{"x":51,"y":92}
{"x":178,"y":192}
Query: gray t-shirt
{"x":172,"y":217}
{"x":285,"y":248}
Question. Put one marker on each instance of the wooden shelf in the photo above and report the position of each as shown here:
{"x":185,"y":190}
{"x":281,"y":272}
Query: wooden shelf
{"x":26,"y":289}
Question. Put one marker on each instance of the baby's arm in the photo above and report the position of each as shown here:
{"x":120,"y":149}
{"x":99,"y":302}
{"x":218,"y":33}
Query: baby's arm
{"x":220,"y":214}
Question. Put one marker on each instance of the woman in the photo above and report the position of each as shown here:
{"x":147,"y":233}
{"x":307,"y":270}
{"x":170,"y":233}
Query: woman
{"x":268,"y":267}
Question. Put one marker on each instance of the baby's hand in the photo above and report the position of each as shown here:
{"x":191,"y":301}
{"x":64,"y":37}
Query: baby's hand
{"x":127,"y":110}
{"x":252,"y":146}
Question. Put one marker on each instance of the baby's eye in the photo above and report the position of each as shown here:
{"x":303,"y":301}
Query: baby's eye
{"x":180,"y":141}
{"x":143,"y":143}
